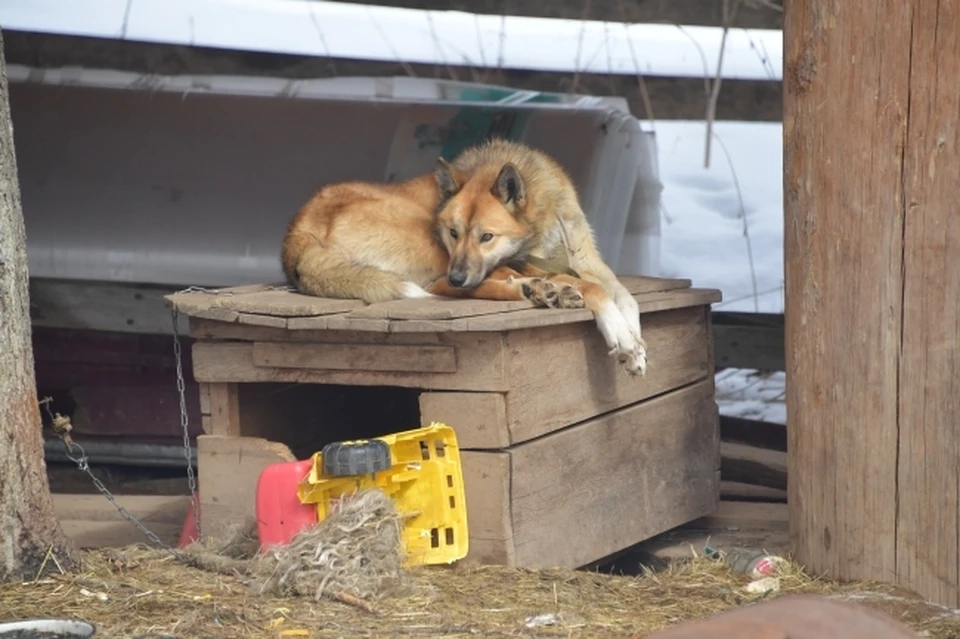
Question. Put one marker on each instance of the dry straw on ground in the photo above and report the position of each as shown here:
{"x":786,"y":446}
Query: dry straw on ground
{"x":140,"y":592}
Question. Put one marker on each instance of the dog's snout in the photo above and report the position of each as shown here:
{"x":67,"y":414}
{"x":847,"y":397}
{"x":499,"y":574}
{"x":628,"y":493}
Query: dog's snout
{"x":457,"y":278}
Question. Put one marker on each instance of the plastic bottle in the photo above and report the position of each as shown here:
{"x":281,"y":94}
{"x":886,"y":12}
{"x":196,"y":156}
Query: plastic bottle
{"x":756,"y":563}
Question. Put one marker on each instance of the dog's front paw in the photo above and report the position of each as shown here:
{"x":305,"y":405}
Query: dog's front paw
{"x":541,"y":292}
{"x":544,"y":292}
{"x":632,"y":356}
{"x":571,"y":297}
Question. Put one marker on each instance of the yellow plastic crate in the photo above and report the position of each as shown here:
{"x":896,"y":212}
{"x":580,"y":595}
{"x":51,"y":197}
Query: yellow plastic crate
{"x":425,"y":481}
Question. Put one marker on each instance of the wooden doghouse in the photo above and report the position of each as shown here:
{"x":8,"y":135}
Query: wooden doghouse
{"x":567,"y":459}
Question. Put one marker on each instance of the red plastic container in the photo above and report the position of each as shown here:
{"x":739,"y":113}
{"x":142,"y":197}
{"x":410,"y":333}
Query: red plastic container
{"x":280,"y":515}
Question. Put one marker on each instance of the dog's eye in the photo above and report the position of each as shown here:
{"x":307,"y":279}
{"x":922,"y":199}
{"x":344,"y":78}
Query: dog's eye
{"x":453,"y":233}
{"x":486,"y":237}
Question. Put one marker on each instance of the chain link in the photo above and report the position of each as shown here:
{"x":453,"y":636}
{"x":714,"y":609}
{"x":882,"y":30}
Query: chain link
{"x":84,"y":465}
{"x":185,"y":424}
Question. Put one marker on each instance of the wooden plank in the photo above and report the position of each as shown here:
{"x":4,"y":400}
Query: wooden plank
{"x":537,"y":317}
{"x":753,"y":433}
{"x":206,"y":330}
{"x":356,"y":357}
{"x":210,"y":313}
{"x":443,"y":314}
{"x":91,"y":521}
{"x":224,"y":409}
{"x":101,"y":306}
{"x":286,"y":304}
{"x":439,"y":308}
{"x":744,"y":515}
{"x":316,"y":323}
{"x":228,"y":469}
{"x":347,"y":322}
{"x":243,"y":289}
{"x":847,"y":129}
{"x":589,"y":491}
{"x":262,"y":320}
{"x":448,"y":308}
{"x":479,"y":419}
{"x":752,"y":465}
{"x":405,"y":316}
{"x":190,"y":303}
{"x":204,"y":391}
{"x":486,"y":478}
{"x":638,"y":284}
{"x":561,"y":375}
{"x":429,"y":326}
{"x":757,"y":347}
{"x":737,"y":491}
{"x":928,"y":457}
{"x":479,"y":361}
{"x":308,"y":312}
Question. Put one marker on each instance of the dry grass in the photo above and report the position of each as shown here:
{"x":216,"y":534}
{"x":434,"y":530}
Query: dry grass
{"x":345,"y":578}
{"x":136,"y":592}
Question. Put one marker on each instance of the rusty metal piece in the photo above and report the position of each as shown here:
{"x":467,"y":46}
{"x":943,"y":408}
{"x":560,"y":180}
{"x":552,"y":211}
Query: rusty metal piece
{"x":793,"y":617}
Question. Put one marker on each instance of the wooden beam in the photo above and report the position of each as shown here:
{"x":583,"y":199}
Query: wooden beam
{"x":748,"y":340}
{"x":871,"y":156}
{"x":755,"y":466}
{"x":224,"y":410}
{"x":766,"y":435}
{"x":744,"y":515}
{"x":91,"y":521}
{"x":671,"y":98}
{"x":686,"y":12}
{"x":103,"y":306}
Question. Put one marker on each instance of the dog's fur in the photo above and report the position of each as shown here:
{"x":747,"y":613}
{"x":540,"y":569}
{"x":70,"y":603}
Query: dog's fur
{"x":463,"y":231}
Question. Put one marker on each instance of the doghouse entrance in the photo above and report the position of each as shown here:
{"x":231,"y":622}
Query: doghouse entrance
{"x":306,"y":417}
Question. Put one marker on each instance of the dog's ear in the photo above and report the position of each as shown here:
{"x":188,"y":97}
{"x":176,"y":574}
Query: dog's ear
{"x":509,"y":188}
{"x":447,"y":178}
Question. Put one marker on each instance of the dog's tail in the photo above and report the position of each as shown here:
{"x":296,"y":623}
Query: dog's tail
{"x":316,"y":270}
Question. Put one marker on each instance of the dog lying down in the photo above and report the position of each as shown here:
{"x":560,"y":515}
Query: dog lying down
{"x":473,"y":228}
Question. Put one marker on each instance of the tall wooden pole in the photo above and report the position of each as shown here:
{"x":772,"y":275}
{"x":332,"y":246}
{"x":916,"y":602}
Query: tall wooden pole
{"x":872,"y":254}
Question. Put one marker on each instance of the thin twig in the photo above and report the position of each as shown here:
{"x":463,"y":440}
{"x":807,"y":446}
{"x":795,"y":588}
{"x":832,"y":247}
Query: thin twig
{"x":583,"y":28}
{"x":351,"y":600}
{"x":743,"y":219}
{"x":729,"y":13}
{"x":641,"y":82}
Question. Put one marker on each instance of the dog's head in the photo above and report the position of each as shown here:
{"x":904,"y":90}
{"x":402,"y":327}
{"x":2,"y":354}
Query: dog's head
{"x":479,"y":220}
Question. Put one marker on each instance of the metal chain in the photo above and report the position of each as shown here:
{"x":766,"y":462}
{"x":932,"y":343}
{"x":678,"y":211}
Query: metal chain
{"x":181,"y":389}
{"x":83,"y":463}
{"x":185,"y":425}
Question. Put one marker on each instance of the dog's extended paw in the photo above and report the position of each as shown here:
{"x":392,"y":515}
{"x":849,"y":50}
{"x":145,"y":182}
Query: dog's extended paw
{"x":541,"y":292}
{"x":544,"y":292}
{"x":633,"y":357}
{"x":571,"y":297}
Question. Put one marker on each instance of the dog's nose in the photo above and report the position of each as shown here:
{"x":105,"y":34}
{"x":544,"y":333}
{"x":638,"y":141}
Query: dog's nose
{"x":457,"y":279}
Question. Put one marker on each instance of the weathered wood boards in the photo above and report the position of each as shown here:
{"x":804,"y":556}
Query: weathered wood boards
{"x":585,"y":492}
{"x":266,"y":305}
{"x":91,"y":521}
{"x":566,"y":457}
{"x":872,"y":244}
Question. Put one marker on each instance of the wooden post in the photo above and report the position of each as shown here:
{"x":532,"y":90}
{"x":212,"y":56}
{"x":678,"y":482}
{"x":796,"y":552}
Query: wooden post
{"x":872,"y":253}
